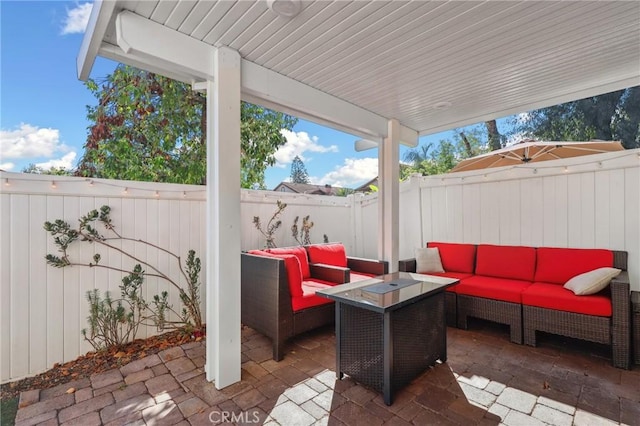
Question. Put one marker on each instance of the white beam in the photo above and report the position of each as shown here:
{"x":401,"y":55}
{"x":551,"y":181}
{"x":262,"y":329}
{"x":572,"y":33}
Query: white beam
{"x":164,"y":47}
{"x":96,"y":28}
{"x":389,"y":198}
{"x":273,"y":90}
{"x":223,"y":220}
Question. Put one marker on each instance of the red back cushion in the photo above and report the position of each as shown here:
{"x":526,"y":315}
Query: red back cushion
{"x":513,"y":262}
{"x":300,"y":253}
{"x":330,"y":254}
{"x":456,"y":257}
{"x":559,"y":265}
{"x":294,"y":274}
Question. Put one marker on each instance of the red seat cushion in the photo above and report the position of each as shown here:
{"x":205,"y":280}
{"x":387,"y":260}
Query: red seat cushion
{"x":456,"y":257}
{"x":309,"y":298}
{"x":359,"y":276}
{"x":554,"y":296}
{"x":511,"y":262}
{"x":559,"y":265}
{"x":304,"y":302}
{"x":300,"y":253}
{"x":493,"y":288}
{"x":330,"y":254}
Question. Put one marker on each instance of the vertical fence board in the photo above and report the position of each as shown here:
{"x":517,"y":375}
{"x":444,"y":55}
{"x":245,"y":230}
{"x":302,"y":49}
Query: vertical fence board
{"x":587,"y":200}
{"x":38,"y":283}
{"x":602,"y":205}
{"x":472,"y":219}
{"x":489,"y":213}
{"x":509,"y":211}
{"x":19,"y":289}
{"x":455,"y":218}
{"x":7,"y":257}
{"x":427,"y":218}
{"x":617,"y":208}
{"x":55,"y":292}
{"x":71,"y":286}
{"x":632,"y":224}
{"x":574,"y":211}
{"x":88,"y":276}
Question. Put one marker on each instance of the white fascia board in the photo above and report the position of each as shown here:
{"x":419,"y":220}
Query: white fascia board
{"x":163,"y":47}
{"x":101,"y":14}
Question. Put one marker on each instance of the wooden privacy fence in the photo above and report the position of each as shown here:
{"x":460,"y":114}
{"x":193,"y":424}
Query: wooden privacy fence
{"x":584,"y":202}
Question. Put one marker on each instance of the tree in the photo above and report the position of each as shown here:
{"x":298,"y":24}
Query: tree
{"x":612,"y":116}
{"x":465,"y":144}
{"x":55,"y":171}
{"x":149,"y":127}
{"x":299,"y":171}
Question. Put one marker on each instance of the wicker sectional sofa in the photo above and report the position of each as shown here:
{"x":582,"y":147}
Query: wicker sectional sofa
{"x":523,"y":288}
{"x":278,"y":288}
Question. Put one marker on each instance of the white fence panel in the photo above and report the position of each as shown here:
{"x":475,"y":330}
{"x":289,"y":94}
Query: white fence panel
{"x":44,"y":308}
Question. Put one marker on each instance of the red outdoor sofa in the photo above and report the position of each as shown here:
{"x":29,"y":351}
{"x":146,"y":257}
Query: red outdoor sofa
{"x":523,"y":287}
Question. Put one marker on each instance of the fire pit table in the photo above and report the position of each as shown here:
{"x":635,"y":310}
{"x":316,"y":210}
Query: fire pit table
{"x":389,"y":329}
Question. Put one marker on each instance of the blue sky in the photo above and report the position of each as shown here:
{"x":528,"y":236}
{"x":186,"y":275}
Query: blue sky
{"x":43,"y":104}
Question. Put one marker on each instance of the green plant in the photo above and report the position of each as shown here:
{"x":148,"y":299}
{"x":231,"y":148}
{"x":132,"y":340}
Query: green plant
{"x":273,"y":224}
{"x":116,"y":321}
{"x":302,"y":235}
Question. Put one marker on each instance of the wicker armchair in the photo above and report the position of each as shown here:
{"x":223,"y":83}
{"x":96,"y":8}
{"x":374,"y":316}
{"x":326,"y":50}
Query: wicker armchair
{"x":267,"y":303}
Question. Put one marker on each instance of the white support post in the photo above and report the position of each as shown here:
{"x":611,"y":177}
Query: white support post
{"x":223,"y":220}
{"x":388,"y":201}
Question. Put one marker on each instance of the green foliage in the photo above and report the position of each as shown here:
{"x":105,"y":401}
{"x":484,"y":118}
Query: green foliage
{"x":272,"y":226}
{"x":428,"y":161}
{"x":113,"y":322}
{"x":55,"y":171}
{"x":612,"y":116}
{"x":148,"y":127}
{"x":261,"y":136}
{"x":343,"y":192}
{"x":299,"y":171}
{"x":301,"y":235}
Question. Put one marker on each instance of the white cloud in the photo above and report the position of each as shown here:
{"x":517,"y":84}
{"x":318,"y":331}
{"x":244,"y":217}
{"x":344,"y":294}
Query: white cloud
{"x":354,"y":172}
{"x":30,"y":142}
{"x":66,"y":162}
{"x":76,"y":20}
{"x":7,"y":166}
{"x":297,"y":144}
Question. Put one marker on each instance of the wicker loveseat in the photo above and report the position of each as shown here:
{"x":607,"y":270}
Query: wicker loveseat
{"x":279,"y":285}
{"x":523,"y":288}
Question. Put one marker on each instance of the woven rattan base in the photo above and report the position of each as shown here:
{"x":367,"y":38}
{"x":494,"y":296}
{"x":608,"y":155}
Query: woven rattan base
{"x":635,"y":325}
{"x":385,"y":351}
{"x":492,"y":310}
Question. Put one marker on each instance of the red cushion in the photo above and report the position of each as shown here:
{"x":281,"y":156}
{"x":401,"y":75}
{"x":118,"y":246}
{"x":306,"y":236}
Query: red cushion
{"x":493,"y":288}
{"x":258,"y":252}
{"x":359,"y":276}
{"x":559,"y":265}
{"x":309,"y":298}
{"x":330,"y":254}
{"x":553,"y":296}
{"x":511,"y":262}
{"x":300,"y":253}
{"x":456,"y":275}
{"x":456,"y":257}
{"x":294,"y":273}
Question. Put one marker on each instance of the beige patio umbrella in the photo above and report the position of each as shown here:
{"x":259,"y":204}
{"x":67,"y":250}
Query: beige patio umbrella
{"x":530,"y":151}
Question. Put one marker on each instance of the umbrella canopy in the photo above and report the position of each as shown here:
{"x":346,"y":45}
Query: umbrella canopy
{"x":530,"y":151}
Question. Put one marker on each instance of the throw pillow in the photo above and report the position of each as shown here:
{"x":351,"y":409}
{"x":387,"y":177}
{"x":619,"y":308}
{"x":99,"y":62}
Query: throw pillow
{"x":591,"y":282}
{"x":428,"y":260}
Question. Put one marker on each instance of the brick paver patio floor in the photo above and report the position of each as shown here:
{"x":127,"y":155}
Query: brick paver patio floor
{"x":487,"y":380}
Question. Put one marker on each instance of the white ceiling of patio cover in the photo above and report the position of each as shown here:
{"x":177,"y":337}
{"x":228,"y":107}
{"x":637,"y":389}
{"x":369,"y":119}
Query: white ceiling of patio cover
{"x":399,"y":59}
